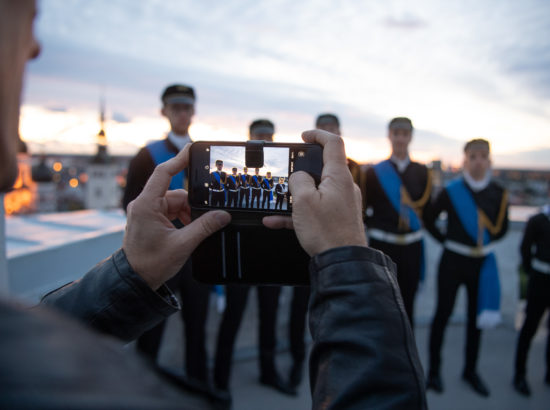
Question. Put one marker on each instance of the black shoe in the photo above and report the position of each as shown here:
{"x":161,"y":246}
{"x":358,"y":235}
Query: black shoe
{"x":476,"y":383}
{"x":296,"y":374}
{"x":221,"y":399}
{"x":435,"y":383}
{"x":276,"y":382}
{"x":521,"y":385}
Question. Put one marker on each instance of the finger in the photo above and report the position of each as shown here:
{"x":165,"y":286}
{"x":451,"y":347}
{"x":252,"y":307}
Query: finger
{"x":301,"y":184}
{"x":278,"y":222}
{"x":334,"y":150}
{"x":193,"y":234}
{"x":158,"y":183}
{"x":176,"y":200}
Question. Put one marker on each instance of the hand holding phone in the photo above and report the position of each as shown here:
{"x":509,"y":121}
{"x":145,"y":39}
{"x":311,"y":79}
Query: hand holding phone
{"x":329,"y":215}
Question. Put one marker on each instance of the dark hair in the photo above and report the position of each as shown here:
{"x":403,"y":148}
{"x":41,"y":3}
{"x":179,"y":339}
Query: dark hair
{"x":327,"y":118}
{"x":477,"y":142}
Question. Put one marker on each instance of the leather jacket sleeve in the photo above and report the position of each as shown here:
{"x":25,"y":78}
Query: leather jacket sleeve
{"x":113,"y":299}
{"x":364,"y":355}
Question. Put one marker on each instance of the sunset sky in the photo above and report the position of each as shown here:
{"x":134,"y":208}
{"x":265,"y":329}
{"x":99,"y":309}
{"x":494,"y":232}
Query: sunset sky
{"x":458,"y":69}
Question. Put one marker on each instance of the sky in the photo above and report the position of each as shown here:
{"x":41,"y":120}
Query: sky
{"x":459,"y":69}
{"x":275,"y":160}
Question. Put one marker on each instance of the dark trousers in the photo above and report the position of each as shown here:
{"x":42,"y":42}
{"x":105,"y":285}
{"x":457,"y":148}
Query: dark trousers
{"x":236,"y":298}
{"x":244,"y":194}
{"x":456,"y":270}
{"x":279,"y":203}
{"x":538,"y":300}
{"x":232,"y":198}
{"x":297,"y":322}
{"x":218,"y":199}
{"x":256,"y":194}
{"x":267,"y":195}
{"x":194,"y":304}
{"x":408,"y":259}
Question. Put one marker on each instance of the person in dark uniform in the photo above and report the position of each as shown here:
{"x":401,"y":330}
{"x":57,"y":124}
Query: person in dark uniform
{"x":232,"y":186}
{"x":477,"y":215}
{"x":537,"y":265}
{"x":244,"y":188}
{"x":280,"y":190}
{"x":218,"y":179}
{"x":267,"y":188}
{"x":256,"y":186}
{"x":178,"y":106}
{"x":300,"y":295}
{"x":397,"y":192}
{"x":268,"y":304}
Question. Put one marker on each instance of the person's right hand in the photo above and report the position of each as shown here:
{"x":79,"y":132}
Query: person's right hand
{"x":328,"y":216}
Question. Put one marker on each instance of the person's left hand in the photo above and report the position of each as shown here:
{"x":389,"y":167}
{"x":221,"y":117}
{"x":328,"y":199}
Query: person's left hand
{"x":155,"y":249}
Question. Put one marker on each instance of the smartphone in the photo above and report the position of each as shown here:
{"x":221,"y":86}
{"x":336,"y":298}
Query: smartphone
{"x":248,"y":179}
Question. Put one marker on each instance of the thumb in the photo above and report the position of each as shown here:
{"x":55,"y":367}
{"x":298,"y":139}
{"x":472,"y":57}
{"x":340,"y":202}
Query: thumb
{"x":201,"y":228}
{"x":300,"y":184}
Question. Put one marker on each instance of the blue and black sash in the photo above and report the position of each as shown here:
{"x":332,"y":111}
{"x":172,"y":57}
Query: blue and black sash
{"x":160,"y":153}
{"x":269,"y":187}
{"x":234,"y":181}
{"x":256,"y":180}
{"x":393,"y":188}
{"x":488,"y":296}
{"x":395,"y":191}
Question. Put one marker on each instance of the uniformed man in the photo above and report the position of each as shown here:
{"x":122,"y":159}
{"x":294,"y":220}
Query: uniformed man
{"x":256,"y":186}
{"x":477,"y":215}
{"x":300,"y":295}
{"x":244,"y":188}
{"x":280,"y":190}
{"x":178,"y":106}
{"x":397,"y":192}
{"x":535,"y":258}
{"x":267,"y":188}
{"x":268,"y":304}
{"x":218,"y":179}
{"x":232,"y":188}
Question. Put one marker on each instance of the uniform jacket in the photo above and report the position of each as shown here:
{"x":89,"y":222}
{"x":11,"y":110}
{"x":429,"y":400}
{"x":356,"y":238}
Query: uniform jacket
{"x":363,"y":355}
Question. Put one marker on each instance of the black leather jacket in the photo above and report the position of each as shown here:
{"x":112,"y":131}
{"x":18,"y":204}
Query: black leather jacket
{"x":363,"y":354}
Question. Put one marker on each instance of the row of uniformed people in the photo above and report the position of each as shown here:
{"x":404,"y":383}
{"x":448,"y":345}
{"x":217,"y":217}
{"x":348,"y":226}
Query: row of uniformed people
{"x":233,"y":189}
{"x":396,"y":193}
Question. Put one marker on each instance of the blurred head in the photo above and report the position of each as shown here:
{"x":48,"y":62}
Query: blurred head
{"x":261,"y":129}
{"x":234,"y":170}
{"x":477,"y":160}
{"x":269,"y":174}
{"x":245,"y":170}
{"x":400,"y":130}
{"x":17,"y":46}
{"x":178,"y":106}
{"x":219,"y":164}
{"x":257,"y":171}
{"x":328,"y":122}
{"x":281,"y":180}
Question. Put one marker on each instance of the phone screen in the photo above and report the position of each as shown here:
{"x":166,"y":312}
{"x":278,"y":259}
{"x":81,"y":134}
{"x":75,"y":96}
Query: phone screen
{"x":220,"y":178}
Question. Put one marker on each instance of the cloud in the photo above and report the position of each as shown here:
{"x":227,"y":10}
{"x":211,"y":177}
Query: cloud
{"x":56,"y":108}
{"x":120,"y":118}
{"x":405,"y":22}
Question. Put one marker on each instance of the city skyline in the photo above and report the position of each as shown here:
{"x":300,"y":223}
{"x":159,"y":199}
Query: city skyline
{"x":460,"y":70}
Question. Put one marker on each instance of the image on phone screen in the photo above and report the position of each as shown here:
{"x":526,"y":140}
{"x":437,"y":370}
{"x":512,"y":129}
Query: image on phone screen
{"x":232,"y":185}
